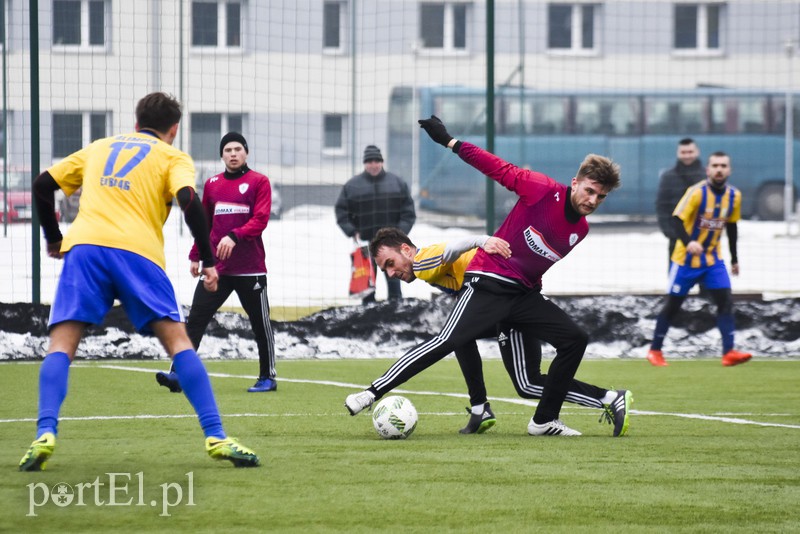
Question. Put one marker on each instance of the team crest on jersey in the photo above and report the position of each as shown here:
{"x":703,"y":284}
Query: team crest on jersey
{"x":573,"y":238}
{"x":537,"y":243}
{"x":243,"y":188}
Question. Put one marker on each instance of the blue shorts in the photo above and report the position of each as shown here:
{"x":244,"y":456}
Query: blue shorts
{"x":94,"y":276}
{"x":682,"y":278}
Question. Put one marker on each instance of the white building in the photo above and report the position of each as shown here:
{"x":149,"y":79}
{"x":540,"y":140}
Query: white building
{"x":308,"y":82}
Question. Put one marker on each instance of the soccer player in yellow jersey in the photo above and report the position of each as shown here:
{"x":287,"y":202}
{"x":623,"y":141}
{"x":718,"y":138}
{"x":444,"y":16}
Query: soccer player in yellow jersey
{"x":115,"y":250}
{"x":443,"y":266}
{"x":704,"y":211}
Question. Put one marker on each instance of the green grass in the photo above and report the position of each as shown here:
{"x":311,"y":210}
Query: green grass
{"x":325,"y":471}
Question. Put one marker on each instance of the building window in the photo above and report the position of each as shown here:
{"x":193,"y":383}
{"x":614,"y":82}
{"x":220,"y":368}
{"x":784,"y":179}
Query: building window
{"x":333,"y":26}
{"x":443,"y":26}
{"x":206,"y":131}
{"x":698,"y":27}
{"x":571,"y":27}
{"x":79,"y":23}
{"x":333,"y":136}
{"x":217,"y":24}
{"x":74,"y":130}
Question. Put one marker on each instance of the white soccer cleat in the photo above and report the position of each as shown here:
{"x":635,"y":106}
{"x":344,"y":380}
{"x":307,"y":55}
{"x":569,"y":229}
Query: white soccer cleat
{"x":357,"y":402}
{"x":551,"y":428}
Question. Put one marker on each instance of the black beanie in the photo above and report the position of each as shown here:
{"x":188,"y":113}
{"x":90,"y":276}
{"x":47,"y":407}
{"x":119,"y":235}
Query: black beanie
{"x":372,"y":152}
{"x":231,"y":137}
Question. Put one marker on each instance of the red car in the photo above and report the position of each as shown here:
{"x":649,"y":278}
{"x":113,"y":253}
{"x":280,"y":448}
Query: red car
{"x":15,"y":196}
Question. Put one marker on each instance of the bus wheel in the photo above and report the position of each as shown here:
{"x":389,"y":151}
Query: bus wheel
{"x":769,"y":205}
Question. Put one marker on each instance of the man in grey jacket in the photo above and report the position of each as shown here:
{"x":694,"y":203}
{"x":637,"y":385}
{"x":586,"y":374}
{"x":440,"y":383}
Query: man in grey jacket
{"x":372,"y":200}
{"x":688,"y":170}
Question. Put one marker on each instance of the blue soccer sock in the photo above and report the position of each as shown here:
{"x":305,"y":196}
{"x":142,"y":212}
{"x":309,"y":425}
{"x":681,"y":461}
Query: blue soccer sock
{"x":197,"y":388}
{"x":662,"y":326}
{"x":726,"y":327}
{"x":53,"y":376}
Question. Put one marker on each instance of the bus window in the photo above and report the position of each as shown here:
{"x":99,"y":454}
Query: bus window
{"x":723,"y":116}
{"x":401,"y":111}
{"x":606,"y":116}
{"x":675,"y":115}
{"x":463,"y":114}
{"x":550,"y":115}
{"x":517,"y":116}
{"x":741,"y":114}
{"x":779,"y":115}
{"x":752,"y":115}
{"x":535,"y":115}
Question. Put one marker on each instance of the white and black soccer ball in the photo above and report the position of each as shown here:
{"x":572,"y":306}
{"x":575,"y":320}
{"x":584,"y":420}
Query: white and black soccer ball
{"x":394,"y":417}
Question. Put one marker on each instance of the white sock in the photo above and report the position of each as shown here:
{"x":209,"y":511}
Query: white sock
{"x":609,"y":397}
{"x":477,"y":410}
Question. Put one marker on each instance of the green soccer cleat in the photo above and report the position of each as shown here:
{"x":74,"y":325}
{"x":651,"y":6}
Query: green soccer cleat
{"x":479,"y":423}
{"x":617,"y":412}
{"x":38,"y":453}
{"x":231,"y":449}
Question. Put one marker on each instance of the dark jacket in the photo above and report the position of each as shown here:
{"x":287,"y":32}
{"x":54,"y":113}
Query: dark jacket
{"x":671,"y":187}
{"x":368,"y":203}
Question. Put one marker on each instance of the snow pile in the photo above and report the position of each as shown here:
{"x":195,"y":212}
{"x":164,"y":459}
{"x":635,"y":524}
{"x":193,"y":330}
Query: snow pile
{"x":618,"y":327}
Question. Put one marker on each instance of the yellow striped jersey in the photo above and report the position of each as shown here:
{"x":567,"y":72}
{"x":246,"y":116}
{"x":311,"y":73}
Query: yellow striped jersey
{"x":432,"y":266}
{"x":128,"y":184}
{"x":704,"y":213}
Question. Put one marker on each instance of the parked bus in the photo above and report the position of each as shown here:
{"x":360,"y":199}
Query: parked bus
{"x":552,"y":131}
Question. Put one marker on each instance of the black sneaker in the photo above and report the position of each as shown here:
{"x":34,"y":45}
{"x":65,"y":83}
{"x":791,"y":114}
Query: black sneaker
{"x":479,"y":423}
{"x":169,"y":380}
{"x":618,"y":412}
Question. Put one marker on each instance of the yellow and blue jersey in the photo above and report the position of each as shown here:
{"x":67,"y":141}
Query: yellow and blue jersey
{"x":431,"y":266}
{"x":704,"y":213}
{"x":128,"y":184}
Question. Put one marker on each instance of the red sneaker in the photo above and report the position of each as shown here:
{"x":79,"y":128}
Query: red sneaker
{"x":734,"y":357}
{"x":656,"y":357}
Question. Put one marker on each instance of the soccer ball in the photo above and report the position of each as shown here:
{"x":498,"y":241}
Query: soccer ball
{"x":394,"y":417}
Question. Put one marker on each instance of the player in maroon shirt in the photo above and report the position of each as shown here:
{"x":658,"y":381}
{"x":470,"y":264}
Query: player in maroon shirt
{"x":237,"y":203}
{"x":546,"y":223}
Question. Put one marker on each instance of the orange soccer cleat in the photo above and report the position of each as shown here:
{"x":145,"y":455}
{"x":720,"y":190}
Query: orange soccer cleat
{"x":656,"y":357}
{"x":734,"y":357}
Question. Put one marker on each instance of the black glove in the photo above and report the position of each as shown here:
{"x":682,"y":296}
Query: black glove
{"x":436,"y":130}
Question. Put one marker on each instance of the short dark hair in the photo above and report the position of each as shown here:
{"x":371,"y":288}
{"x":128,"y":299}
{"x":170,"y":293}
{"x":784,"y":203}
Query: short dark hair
{"x":686,"y":141}
{"x":718,"y":154}
{"x":600,"y":169}
{"x":388,"y":237}
{"x":158,"y":111}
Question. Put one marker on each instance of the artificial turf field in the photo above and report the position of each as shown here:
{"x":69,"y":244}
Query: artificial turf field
{"x":710,"y":449}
